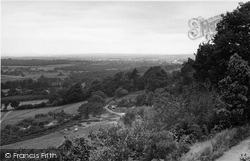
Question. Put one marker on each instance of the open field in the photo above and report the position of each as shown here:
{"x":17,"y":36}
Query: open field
{"x":5,"y":78}
{"x":56,"y":138}
{"x":18,"y":115}
{"x":46,"y":68}
{"x":36,"y":69}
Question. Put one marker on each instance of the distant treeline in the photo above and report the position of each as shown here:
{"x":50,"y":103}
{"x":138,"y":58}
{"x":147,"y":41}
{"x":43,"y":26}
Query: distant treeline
{"x":32,"y":62}
{"x":91,"y":66}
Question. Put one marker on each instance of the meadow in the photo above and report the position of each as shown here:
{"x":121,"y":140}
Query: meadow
{"x":37,"y":71}
{"x":18,"y":115}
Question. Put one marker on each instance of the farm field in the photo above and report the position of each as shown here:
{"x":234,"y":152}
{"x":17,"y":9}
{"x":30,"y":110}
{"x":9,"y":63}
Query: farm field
{"x":47,"y":67}
{"x":5,"y":78}
{"x":36,"y":75}
{"x":18,"y":115}
{"x":56,"y":138}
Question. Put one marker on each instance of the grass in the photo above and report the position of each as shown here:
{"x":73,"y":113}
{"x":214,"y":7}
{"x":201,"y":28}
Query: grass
{"x":16,"y":116}
{"x":57,"y":137}
{"x":47,"y":67}
{"x":214,"y":148}
{"x":5,"y":78}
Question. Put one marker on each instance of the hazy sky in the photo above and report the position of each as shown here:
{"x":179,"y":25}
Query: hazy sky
{"x":75,"y":27}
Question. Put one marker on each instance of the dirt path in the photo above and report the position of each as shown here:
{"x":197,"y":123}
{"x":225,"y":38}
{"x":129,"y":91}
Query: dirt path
{"x":4,"y":116}
{"x":235,"y":152}
{"x":106,"y":108}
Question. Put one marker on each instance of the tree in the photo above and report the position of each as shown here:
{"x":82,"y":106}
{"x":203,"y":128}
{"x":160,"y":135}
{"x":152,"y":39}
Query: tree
{"x":6,"y":104}
{"x":155,"y":77}
{"x":97,"y":109}
{"x":74,"y":94}
{"x":141,"y":99}
{"x":95,"y":85}
{"x":2,"y":94}
{"x":119,"y":92}
{"x":13,"y":92}
{"x":60,"y":74}
{"x":85,"y":109}
{"x":14,"y":104}
{"x":93,"y":108}
{"x":235,"y":87}
{"x":53,"y":97}
{"x":135,"y":74}
{"x":139,"y":83}
{"x":187,"y":72}
{"x":149,"y":98}
{"x":233,"y":36}
{"x":100,"y":93}
{"x":97,"y":99}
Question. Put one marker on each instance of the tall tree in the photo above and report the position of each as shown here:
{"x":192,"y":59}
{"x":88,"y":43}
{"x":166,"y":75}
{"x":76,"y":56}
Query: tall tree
{"x":155,"y":77}
{"x":74,"y":94}
{"x":235,"y":87}
{"x":233,"y":36}
{"x":14,"y":104}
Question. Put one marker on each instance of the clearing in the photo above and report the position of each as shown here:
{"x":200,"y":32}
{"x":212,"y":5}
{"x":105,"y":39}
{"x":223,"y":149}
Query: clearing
{"x":18,"y":115}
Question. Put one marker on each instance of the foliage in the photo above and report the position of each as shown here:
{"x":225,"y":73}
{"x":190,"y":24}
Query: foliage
{"x":234,"y":90}
{"x":155,"y":77}
{"x":32,"y":62}
{"x":222,"y":142}
{"x":141,"y":99}
{"x":14,"y":104}
{"x":97,"y":99}
{"x":74,"y":94}
{"x":120,"y":92}
{"x":33,"y":127}
{"x":100,"y":93}
{"x":232,"y":37}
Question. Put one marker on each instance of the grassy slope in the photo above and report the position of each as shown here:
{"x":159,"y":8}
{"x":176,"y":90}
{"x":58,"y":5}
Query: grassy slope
{"x":16,"y":116}
{"x":215,"y":147}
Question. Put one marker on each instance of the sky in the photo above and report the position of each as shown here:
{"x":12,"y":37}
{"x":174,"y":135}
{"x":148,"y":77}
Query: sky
{"x":50,"y":28}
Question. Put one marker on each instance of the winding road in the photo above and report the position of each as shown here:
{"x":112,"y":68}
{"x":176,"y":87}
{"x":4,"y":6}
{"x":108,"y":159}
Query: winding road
{"x":106,"y":108}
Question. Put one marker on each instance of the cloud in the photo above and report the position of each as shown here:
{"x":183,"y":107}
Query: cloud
{"x":102,"y":27}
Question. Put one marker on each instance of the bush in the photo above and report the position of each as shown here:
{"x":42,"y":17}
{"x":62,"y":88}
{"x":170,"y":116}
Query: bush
{"x":120,"y":92}
{"x":125,"y":103}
